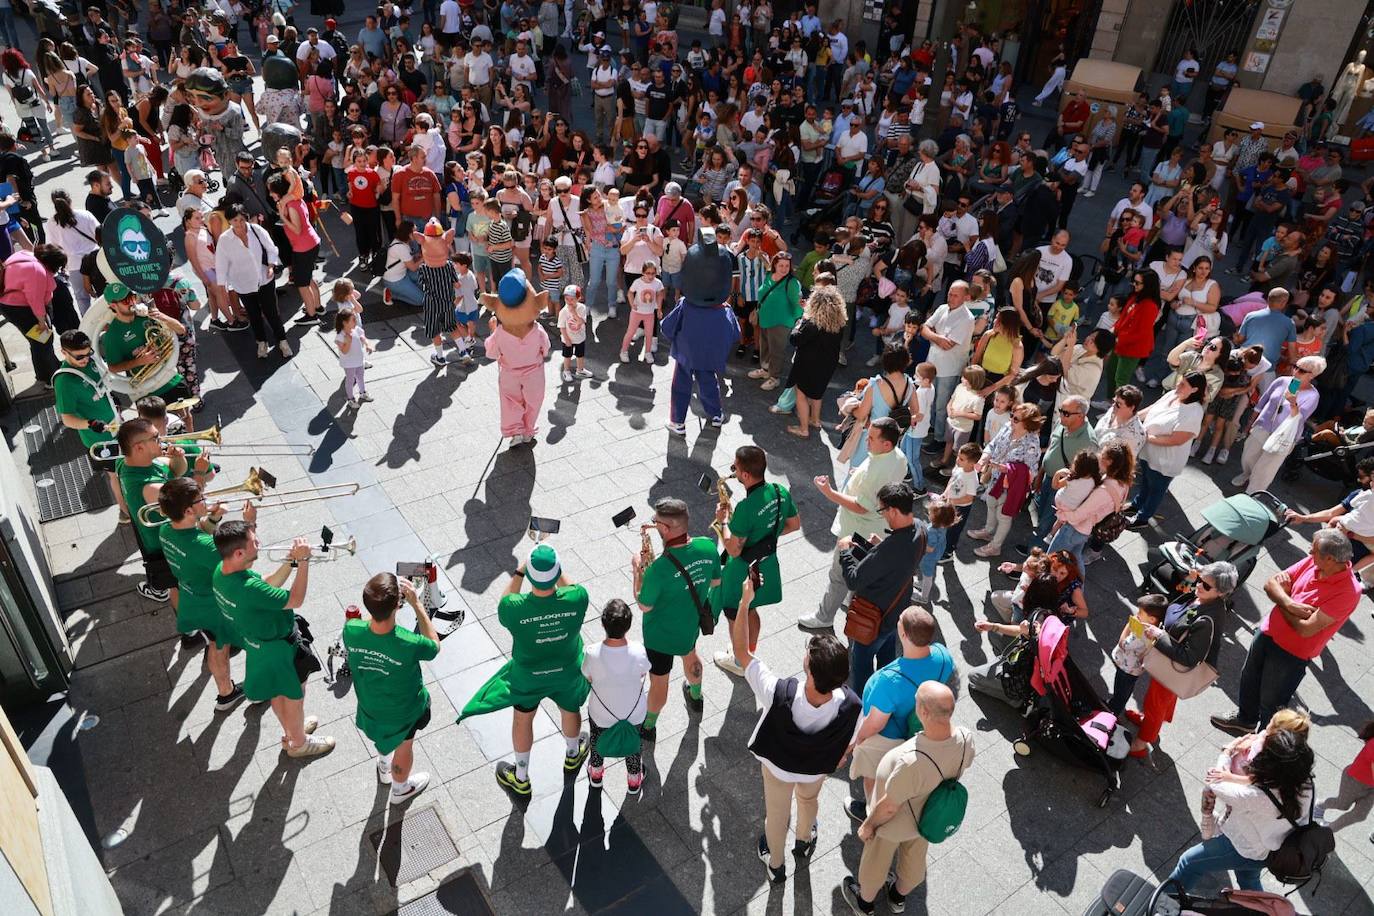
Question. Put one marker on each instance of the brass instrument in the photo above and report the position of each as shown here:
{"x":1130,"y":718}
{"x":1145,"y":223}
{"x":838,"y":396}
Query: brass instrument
{"x":646,"y":546}
{"x":256,"y":485}
{"x":150,"y":516}
{"x":213,"y":437}
{"x":183,"y":404}
{"x":322,"y":552}
{"x":163,"y":343}
{"x":722,"y":502}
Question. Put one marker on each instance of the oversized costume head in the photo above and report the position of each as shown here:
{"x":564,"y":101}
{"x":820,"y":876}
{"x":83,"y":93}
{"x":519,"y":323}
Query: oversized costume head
{"x":435,"y":243}
{"x":702,"y":330}
{"x":515,"y":303}
{"x":278,"y":136}
{"x":207,"y":91}
{"x":706,"y":271}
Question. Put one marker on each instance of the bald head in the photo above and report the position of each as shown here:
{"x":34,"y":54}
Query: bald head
{"x":934,"y":703}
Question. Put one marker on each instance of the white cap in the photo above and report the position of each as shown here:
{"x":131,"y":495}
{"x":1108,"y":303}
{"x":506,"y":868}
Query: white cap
{"x":1257,"y":125}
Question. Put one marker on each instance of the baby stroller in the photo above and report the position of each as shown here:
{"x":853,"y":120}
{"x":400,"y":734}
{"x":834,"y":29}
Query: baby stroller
{"x":827,"y":204}
{"x":1067,"y":717}
{"x":208,"y":162}
{"x":1128,"y":894}
{"x":1325,"y":458}
{"x":1235,"y":528}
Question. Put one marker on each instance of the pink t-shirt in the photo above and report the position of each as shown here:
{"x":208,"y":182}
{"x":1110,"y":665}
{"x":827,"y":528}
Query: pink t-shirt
{"x":307,"y":238}
{"x":518,"y":354}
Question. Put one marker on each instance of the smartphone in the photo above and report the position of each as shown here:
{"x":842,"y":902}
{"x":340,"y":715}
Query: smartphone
{"x":755,"y":577}
{"x":1201,"y":333}
{"x":623,"y":517}
{"x":705,"y":484}
{"x":326,"y":536}
{"x":410,"y":570}
{"x":269,"y":481}
{"x":544,"y":525}
{"x":1293,"y":386}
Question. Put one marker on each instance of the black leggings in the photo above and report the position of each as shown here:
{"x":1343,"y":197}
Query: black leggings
{"x":263,"y":305}
{"x":44,"y":357}
{"x":1130,"y":145}
{"x":367,"y":231}
{"x":633,"y":763}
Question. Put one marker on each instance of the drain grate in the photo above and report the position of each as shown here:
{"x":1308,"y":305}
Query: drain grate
{"x":463,"y":895}
{"x":63,"y":478}
{"x":413,"y":846}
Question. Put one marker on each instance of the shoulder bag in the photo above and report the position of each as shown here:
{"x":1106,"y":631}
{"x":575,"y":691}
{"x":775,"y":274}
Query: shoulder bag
{"x":864,"y":618}
{"x":705,"y":619}
{"x":578,"y":247}
{"x":1184,"y":683}
{"x":767,"y":545}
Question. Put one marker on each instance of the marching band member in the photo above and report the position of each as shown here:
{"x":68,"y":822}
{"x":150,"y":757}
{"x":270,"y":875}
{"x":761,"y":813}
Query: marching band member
{"x":142,"y":472}
{"x":765,"y":514}
{"x":83,"y":403}
{"x":393,"y":703}
{"x":124,"y":342}
{"x":264,"y":614}
{"x":674,"y":593}
{"x":188,"y":543}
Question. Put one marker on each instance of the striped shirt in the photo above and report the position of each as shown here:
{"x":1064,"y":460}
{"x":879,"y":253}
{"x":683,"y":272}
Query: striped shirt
{"x":498,"y":233}
{"x":752,"y":270}
{"x":550,"y":267}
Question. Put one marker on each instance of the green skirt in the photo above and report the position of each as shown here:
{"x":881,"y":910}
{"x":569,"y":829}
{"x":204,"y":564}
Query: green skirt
{"x":271,"y":671}
{"x":732,"y":583}
{"x":568,"y":692}
{"x":195,"y":612}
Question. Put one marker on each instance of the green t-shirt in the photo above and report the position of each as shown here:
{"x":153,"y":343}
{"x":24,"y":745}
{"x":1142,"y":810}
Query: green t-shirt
{"x":132,"y":480}
{"x":779,"y":307}
{"x":390,"y":684}
{"x":191,"y":554}
{"x":256,"y":608}
{"x":546,"y":654}
{"x":762,"y":512}
{"x":121,"y":340}
{"x":672,"y":624}
{"x":79,"y":399}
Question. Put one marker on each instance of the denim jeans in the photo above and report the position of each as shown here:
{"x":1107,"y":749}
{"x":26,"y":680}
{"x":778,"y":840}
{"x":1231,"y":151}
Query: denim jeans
{"x":1123,"y":685}
{"x":407,"y":289}
{"x":659,"y":128}
{"x":1217,"y":855}
{"x":1069,"y":538}
{"x":1044,"y":513}
{"x":1268,"y":680}
{"x":1151,"y":492}
{"x":864,"y":660}
{"x":603,"y":271}
{"x":944,"y":388}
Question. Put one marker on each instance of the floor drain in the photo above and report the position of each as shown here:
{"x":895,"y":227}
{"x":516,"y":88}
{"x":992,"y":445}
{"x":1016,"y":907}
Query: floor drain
{"x":413,"y":846}
{"x":464,"y":895}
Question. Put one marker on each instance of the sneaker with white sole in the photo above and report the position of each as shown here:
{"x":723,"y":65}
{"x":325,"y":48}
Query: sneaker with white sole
{"x":624,"y":357}
{"x":354,"y":403}
{"x":152,"y":594}
{"x":770,"y":385}
{"x":314,"y":746}
{"x":677,"y":429}
{"x":566,"y":375}
{"x":365,"y":397}
{"x":811,"y":622}
{"x":1209,"y":456}
{"x":634,"y":781}
{"x":1223,"y":455}
{"x":583,"y":373}
{"x":229,"y":700}
{"x":758,"y":373}
{"x":409,"y":789}
{"x":595,"y":775}
{"x":1240,"y":480}
{"x":384,"y":771}
{"x":726,"y":661}
{"x":285,"y":348}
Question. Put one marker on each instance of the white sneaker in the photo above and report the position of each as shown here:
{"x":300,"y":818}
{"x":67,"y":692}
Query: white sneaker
{"x":812,"y":622}
{"x":769,"y":385}
{"x":1223,"y":455}
{"x":384,"y":771}
{"x":313,"y":747}
{"x":1192,"y":449}
{"x":583,"y":373}
{"x":619,"y":296}
{"x":610,"y":310}
{"x":354,"y":403}
{"x":518,"y":440}
{"x":263,"y":349}
{"x":285,"y":348}
{"x":410,"y":788}
{"x":624,"y":357}
{"x":648,"y":356}
{"x":1209,"y":456}
{"x":726,"y":661}
{"x":567,"y":375}
{"x":1240,"y":480}
{"x":677,"y":429}
{"x":760,"y":372}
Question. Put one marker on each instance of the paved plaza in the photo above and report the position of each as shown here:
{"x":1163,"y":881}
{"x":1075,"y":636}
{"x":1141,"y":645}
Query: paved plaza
{"x":219,"y":821}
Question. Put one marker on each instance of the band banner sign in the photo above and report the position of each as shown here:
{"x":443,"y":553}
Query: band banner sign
{"x":138,"y":254}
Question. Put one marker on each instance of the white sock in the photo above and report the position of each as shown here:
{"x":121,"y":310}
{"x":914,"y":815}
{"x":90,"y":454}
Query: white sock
{"x":522,"y":765}
{"x":573,"y":744}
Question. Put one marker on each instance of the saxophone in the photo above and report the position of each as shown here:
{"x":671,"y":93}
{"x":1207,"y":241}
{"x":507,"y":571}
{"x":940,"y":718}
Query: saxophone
{"x":722,"y":502}
{"x":646,"y":547}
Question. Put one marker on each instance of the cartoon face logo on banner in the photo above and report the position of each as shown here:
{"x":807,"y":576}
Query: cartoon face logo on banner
{"x":136,"y":250}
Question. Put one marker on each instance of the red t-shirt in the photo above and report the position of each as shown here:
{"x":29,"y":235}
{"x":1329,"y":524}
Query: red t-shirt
{"x":1076,"y":113}
{"x":1335,"y":596}
{"x":415,"y":192}
{"x":362,"y":187}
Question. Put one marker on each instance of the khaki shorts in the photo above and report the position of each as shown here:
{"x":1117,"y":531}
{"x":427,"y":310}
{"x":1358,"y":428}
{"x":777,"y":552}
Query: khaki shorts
{"x":868,"y":755}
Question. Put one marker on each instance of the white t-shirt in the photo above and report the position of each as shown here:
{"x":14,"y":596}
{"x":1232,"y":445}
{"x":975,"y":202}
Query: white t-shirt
{"x":1053,"y":269}
{"x":925,"y":400}
{"x":962,"y":483}
{"x":644,"y":295}
{"x":993,"y":421}
{"x":850,"y":143}
{"x":573,"y":319}
{"x":1185,"y":71}
{"x":717,"y":24}
{"x":479,"y":68}
{"x":634,"y":260}
{"x":1142,"y":208}
{"x":449,"y":16}
{"x":354,"y":358}
{"x":808,"y":719}
{"x":465,"y":295}
{"x":1168,"y":416}
{"x":619,"y":676}
{"x":957,"y":325}
{"x":522,"y":69}
{"x":397,"y":254}
{"x":1168,"y":278}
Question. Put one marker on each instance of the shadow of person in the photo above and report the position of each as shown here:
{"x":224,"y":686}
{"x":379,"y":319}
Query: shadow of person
{"x":500,"y":518}
{"x":563,"y":413}
{"x":426,"y":405}
{"x":632,"y":386}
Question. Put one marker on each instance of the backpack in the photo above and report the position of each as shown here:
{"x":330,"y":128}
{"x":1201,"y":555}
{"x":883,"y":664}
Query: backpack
{"x":943,"y":813}
{"x":913,"y":722}
{"x":621,"y":739}
{"x":901,"y":412}
{"x":22,"y":92}
{"x":1304,"y":851}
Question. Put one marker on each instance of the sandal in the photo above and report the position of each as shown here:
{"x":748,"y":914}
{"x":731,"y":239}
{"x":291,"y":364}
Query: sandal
{"x":797,"y":431}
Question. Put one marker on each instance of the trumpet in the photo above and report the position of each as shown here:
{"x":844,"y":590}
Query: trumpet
{"x":722,"y":502}
{"x":321,"y":552}
{"x":215,"y":438}
{"x":646,"y":546}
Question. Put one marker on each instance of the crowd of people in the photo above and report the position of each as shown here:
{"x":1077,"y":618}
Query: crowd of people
{"x":762,"y":199}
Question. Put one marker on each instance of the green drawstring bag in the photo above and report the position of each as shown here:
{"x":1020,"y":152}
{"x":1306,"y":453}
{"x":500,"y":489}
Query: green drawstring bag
{"x":621,"y":739}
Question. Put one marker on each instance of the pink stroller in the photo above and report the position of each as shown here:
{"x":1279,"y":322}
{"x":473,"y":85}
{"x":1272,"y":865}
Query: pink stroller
{"x":208,"y":162}
{"x":1068,"y":718}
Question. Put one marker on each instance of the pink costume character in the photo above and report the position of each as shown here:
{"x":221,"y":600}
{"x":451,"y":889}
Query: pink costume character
{"x":519,"y":344}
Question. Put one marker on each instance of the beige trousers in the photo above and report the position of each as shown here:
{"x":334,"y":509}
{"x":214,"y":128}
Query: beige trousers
{"x":877,"y":861}
{"x":777,"y":806}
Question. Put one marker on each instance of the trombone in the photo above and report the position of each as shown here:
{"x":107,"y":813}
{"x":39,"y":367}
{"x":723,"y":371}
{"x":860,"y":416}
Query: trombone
{"x":321,"y":552}
{"x":255,"y":485}
{"x":103,"y":451}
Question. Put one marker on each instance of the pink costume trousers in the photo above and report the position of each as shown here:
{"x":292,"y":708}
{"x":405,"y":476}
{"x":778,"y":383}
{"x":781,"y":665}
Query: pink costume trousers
{"x":522,"y":395}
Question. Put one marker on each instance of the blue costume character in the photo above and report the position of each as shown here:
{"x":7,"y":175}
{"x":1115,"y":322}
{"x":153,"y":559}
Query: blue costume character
{"x":703,"y":331}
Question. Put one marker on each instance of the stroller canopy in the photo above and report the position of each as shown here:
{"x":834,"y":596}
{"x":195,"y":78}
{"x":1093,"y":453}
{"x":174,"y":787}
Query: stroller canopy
{"x":1240,"y":517}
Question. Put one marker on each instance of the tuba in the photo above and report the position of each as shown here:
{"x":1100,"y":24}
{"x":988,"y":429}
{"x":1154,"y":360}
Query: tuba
{"x":164,"y":344}
{"x":142,"y":380}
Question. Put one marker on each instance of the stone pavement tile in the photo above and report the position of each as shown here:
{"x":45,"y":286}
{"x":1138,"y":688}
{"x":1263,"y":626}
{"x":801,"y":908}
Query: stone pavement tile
{"x":1149,"y":831}
{"x":174,"y":875}
{"x":1030,"y":899}
{"x":542,"y":890}
{"x":156,"y":626}
{"x":1069,"y":881}
{"x":105,"y":550}
{"x":507,"y":854}
{"x":987,"y":894}
{"x":290,"y":811}
{"x":273,"y":884}
{"x":451,"y":750}
{"x":350,"y":747}
{"x":467,"y":646}
{"x":491,"y":733}
{"x":118,"y":681}
{"x":358,"y":795}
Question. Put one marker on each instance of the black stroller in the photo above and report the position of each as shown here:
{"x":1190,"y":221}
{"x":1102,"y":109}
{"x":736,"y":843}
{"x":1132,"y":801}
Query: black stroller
{"x":1067,"y":717}
{"x":1128,"y":894}
{"x":825,"y":207}
{"x":1235,"y":530}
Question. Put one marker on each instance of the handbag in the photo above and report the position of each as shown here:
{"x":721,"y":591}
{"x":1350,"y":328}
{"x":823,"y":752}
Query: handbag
{"x":705,"y":619}
{"x":305,"y":659}
{"x":1184,"y":683}
{"x":578,"y":247}
{"x":1285,"y":437}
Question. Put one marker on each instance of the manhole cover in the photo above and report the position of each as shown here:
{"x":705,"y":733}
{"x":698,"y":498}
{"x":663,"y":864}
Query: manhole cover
{"x":463,"y":895}
{"x":413,"y":846}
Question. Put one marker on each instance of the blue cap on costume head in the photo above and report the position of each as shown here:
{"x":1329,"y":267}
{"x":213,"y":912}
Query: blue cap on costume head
{"x":512,"y":290}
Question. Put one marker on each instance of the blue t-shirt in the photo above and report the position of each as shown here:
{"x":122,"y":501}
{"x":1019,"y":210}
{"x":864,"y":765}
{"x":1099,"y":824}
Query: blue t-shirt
{"x":1271,"y":330}
{"x":373,"y":41}
{"x":892,"y":688}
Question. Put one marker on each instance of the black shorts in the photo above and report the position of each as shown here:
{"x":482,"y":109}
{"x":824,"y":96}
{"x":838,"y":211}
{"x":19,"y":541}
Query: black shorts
{"x":578,"y":349}
{"x":303,"y":266}
{"x":419,"y":724}
{"x":659,"y":662}
{"x":156,"y":568}
{"x":178,"y":392}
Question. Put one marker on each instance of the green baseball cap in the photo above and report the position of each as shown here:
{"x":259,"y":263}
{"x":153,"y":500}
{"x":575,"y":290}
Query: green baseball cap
{"x":116,"y":292}
{"x":542,"y":568}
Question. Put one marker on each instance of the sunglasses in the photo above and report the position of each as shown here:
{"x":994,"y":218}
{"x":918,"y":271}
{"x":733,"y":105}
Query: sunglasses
{"x":86,"y":355}
{"x":1070,"y":413}
{"x":1203,"y":583}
